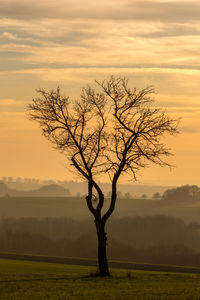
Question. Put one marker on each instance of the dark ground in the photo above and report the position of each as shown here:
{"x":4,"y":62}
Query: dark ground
{"x":92,"y":262}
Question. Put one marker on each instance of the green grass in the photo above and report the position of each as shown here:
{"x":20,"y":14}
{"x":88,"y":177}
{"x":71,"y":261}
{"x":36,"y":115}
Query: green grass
{"x":21,"y":280}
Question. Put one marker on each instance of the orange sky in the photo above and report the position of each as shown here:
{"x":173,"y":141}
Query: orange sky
{"x":67,"y":43}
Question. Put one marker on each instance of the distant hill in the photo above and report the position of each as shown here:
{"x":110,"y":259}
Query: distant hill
{"x":135,"y":190}
{"x":52,"y":190}
{"x":48,"y":190}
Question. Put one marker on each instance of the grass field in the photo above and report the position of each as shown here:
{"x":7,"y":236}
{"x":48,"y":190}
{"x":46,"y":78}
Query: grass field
{"x":21,"y":280}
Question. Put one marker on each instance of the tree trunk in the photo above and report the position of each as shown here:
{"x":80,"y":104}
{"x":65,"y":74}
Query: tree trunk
{"x":102,"y":243}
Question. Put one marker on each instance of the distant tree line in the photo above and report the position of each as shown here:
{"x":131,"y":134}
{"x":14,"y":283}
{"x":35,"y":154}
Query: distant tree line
{"x":157,"y":239}
{"x":31,"y":180}
{"x":182,"y":193}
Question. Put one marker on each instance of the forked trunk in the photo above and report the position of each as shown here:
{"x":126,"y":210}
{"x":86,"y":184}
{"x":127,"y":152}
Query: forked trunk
{"x":102,"y":256}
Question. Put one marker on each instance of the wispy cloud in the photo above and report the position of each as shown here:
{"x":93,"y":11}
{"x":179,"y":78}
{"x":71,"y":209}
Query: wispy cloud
{"x":8,"y":36}
{"x":111,"y":44}
{"x":167,"y":11}
{"x":12,"y":105}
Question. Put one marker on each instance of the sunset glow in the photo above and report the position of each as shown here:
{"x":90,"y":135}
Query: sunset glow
{"x":70,"y":44}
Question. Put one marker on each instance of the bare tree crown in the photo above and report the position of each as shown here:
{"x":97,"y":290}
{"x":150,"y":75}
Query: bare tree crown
{"x":116,"y":130}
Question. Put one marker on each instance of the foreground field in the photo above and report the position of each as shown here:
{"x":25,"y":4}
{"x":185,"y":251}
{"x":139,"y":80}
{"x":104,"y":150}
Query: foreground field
{"x":34,"y":280}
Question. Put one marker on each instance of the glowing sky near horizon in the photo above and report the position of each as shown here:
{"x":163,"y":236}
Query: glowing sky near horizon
{"x":70,"y":43}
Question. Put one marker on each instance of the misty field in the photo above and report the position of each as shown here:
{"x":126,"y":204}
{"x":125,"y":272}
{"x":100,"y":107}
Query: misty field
{"x":33,"y":280}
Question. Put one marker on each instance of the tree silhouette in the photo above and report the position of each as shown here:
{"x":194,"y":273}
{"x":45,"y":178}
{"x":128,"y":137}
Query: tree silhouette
{"x":182,"y":193}
{"x":156,"y":195}
{"x":115,"y":131}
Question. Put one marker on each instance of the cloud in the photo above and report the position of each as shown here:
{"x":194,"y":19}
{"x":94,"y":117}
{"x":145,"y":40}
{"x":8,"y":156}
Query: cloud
{"x":171,"y":30}
{"x":12,"y":105}
{"x":174,"y":87}
{"x":82,"y":42}
{"x":8,"y":35}
{"x":165,"y":11}
{"x":100,"y":45}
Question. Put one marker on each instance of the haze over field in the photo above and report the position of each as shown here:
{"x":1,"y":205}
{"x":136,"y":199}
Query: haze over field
{"x":66,"y":43}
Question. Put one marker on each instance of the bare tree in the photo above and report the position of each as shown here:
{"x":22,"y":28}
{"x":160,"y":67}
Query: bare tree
{"x":114,"y":131}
